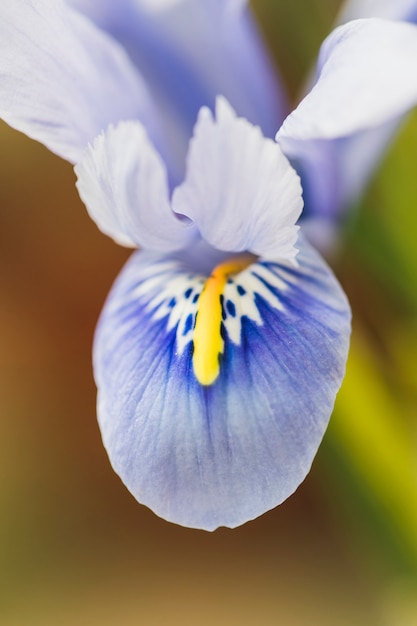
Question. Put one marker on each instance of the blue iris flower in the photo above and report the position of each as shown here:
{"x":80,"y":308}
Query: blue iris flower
{"x":223,"y":342}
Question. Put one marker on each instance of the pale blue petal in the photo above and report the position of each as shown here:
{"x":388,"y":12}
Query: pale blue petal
{"x":239,"y":189}
{"x":360,"y":155}
{"x":62,"y":80}
{"x":189,"y":51}
{"x":364,"y":79}
{"x":123,"y":183}
{"x":334,"y":172}
{"x":364,"y":85}
{"x":219,"y":455}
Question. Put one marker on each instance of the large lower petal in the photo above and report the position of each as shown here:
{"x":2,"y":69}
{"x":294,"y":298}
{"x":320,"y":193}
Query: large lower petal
{"x":189,"y":51}
{"x":365,"y":83}
{"x":219,"y":453}
{"x":62,"y":80}
{"x":239,"y":188}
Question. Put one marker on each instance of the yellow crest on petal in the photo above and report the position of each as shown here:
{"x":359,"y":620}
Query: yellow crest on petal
{"x":207,"y":338}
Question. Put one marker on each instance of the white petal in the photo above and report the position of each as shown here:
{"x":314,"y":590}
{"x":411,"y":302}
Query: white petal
{"x":366,"y":77}
{"x":123,"y":182}
{"x":239,"y":189}
{"x":62,"y":80}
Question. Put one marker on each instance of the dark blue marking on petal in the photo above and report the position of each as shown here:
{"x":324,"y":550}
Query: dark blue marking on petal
{"x":188,"y":293}
{"x":231,"y":309}
{"x":241,"y":290}
{"x":189,"y":324}
{"x":268,"y":285}
{"x":172,"y":303}
{"x":196,"y":297}
{"x":224,"y":314}
{"x":223,"y":332}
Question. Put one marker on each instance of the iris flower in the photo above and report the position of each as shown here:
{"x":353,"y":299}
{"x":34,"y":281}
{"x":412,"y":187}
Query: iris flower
{"x":223,"y":342}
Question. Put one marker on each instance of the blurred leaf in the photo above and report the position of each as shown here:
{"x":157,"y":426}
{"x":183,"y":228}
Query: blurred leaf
{"x":384,"y":230}
{"x":294,"y":33}
{"x":368,"y":431}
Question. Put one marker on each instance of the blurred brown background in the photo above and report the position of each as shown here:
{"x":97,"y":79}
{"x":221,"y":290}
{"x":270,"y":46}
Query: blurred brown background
{"x":75,"y":548}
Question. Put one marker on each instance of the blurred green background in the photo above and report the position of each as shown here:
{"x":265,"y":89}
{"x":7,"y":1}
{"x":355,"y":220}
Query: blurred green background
{"x":75,"y":548}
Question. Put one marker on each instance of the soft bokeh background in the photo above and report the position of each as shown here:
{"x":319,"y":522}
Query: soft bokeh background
{"x":75,"y":548}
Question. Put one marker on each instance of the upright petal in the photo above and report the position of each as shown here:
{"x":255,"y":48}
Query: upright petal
{"x":190,"y":51}
{"x":365,"y":83}
{"x":239,"y":189}
{"x":221,"y":453}
{"x":123,"y":183}
{"x":62,"y":79}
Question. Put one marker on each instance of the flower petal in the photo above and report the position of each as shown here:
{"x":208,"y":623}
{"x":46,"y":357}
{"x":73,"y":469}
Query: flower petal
{"x":105,"y":11}
{"x":220,"y":454}
{"x":123,"y":182}
{"x":52,"y":63}
{"x":239,"y":188}
{"x":335,"y":136}
{"x":365,"y":75}
{"x":191,"y":51}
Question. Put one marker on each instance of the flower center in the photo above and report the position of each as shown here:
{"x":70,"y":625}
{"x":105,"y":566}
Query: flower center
{"x":207,"y":338}
{"x":204,"y":313}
